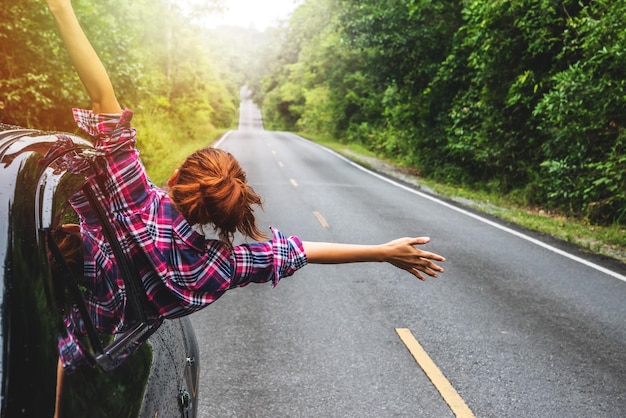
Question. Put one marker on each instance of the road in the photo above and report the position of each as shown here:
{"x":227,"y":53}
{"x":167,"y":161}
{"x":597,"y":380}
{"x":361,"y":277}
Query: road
{"x":517,"y":326}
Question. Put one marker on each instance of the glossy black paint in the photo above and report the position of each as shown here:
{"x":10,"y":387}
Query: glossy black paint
{"x":159,"y":379}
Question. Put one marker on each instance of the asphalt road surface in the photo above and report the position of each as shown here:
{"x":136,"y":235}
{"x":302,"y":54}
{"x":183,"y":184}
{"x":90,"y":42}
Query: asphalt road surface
{"x":517,"y":326}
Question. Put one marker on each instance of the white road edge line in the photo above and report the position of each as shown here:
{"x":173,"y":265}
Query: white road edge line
{"x":472,"y":215}
{"x":221,"y":139}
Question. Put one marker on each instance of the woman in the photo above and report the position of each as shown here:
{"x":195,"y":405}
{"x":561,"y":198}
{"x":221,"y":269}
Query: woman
{"x":182,"y":270}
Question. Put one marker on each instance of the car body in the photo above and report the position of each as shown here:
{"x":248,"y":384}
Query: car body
{"x":160,"y":377}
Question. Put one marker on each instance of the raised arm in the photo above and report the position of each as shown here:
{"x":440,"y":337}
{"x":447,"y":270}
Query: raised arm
{"x":401,"y":252}
{"x":84,"y":58}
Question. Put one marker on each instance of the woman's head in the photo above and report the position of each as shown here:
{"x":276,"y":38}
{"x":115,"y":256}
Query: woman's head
{"x":210,"y":188}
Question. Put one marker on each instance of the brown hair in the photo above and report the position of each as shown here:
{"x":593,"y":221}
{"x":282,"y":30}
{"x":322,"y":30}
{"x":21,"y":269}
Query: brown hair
{"x":211,"y":188}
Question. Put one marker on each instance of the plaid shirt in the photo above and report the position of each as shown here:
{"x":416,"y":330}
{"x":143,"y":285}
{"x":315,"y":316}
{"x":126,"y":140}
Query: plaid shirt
{"x":182,"y":270}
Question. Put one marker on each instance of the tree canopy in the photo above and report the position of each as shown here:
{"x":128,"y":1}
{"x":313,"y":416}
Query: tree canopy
{"x":525,"y":98}
{"x":166,"y":66}
{"x":521,"y":97}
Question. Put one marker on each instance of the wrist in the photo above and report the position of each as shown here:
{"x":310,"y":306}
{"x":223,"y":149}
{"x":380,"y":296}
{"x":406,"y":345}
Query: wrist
{"x":383,"y":251}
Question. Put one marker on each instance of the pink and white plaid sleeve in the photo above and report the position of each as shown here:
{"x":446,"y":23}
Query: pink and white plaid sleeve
{"x":267,"y":261}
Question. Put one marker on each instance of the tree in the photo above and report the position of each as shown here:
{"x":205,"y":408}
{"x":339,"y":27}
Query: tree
{"x":584,"y":114}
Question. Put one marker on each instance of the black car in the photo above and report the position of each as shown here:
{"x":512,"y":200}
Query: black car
{"x":151,"y":369}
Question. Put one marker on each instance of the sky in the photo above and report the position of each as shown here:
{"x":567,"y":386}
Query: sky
{"x":259,"y":14}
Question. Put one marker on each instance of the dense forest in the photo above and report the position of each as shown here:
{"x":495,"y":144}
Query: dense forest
{"x":180,"y":78}
{"x":524,"y":98}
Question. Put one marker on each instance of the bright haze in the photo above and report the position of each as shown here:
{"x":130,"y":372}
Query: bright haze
{"x":259,"y":14}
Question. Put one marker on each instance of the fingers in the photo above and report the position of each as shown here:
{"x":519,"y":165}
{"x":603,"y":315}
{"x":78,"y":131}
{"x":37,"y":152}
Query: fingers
{"x":431,"y":269}
{"x":415,"y":261}
{"x":431,"y":256}
{"x":418,"y":269}
{"x":425,"y":254}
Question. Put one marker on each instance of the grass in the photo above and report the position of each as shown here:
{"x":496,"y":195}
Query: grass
{"x":609,"y":241}
{"x":164,"y":144}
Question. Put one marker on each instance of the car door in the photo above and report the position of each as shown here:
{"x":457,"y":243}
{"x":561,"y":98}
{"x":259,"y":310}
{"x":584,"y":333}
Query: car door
{"x":160,"y":375}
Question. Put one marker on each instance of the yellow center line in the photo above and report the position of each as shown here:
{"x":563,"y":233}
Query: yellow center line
{"x":280,"y":164}
{"x":448,"y":393}
{"x":293,"y":182}
{"x":321,"y":219}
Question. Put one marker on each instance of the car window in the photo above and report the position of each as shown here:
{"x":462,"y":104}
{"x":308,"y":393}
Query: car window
{"x":109,"y":370}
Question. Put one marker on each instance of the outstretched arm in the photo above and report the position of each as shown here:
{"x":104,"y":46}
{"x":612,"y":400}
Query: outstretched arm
{"x":84,"y":58}
{"x":401,"y":252}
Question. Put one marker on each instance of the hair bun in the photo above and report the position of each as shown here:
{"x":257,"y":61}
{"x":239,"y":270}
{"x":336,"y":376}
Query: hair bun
{"x":211,"y":189}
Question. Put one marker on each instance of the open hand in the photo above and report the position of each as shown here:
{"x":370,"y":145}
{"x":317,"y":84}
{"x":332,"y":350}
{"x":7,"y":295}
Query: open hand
{"x":403,"y":254}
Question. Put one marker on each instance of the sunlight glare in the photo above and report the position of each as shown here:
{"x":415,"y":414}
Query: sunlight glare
{"x":253,"y":13}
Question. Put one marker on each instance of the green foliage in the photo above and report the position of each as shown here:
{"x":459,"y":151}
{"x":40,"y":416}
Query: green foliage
{"x":159,"y":61}
{"x":524,"y":98}
{"x":293,"y":68}
{"x":505,"y":50}
{"x":26,"y":87}
{"x":584,"y":115}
